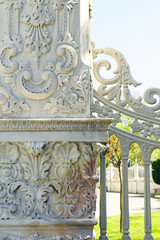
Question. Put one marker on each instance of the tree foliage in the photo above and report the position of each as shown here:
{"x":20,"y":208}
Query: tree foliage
{"x":156,"y":171}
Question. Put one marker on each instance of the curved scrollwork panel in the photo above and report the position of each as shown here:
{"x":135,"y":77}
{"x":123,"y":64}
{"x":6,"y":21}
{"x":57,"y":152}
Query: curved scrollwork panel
{"x":114,"y":98}
{"x":69,"y":56}
{"x":37,"y":91}
{"x":119,"y":92}
{"x":6,"y":53}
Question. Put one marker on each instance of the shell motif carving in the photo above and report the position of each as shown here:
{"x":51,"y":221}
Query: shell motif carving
{"x":65,"y":155}
{"x":51,"y":180}
{"x":9,"y":155}
{"x":37,"y":90}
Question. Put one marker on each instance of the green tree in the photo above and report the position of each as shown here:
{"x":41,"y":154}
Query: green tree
{"x":156,"y":171}
{"x":115,"y":158}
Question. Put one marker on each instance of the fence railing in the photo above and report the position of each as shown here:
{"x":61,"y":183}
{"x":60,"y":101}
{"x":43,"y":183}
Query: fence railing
{"x":135,"y":179}
{"x":114,"y":99}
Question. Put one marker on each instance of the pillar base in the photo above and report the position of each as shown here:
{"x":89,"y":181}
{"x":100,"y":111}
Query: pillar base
{"x":126,"y":237}
{"x":148,"y":236}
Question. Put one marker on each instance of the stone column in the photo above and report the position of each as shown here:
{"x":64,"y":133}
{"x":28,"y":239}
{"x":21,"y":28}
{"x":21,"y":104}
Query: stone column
{"x":103,"y":200}
{"x":48,"y":140}
{"x":125,"y":145}
{"x":146,"y":151}
{"x":125,"y":215}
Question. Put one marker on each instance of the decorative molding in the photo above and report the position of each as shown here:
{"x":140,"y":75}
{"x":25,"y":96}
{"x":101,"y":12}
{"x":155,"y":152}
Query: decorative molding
{"x":54,"y":124}
{"x":121,"y":82}
{"x":36,"y":236}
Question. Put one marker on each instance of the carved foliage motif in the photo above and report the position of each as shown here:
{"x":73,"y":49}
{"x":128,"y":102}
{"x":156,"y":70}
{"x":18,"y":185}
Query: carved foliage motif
{"x":37,"y":36}
{"x":73,"y":98}
{"x":68,"y":4}
{"x":36,"y":236}
{"x":48,"y":180}
{"x":39,"y":16}
{"x":9,"y":103}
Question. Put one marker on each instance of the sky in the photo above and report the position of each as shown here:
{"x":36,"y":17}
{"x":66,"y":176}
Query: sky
{"x":133,"y":28}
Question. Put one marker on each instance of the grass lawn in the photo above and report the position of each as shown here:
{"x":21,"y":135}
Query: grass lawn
{"x":136,"y":227}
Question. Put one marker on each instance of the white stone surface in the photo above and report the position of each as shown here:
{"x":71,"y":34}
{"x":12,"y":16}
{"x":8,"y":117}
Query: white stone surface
{"x":44,"y":58}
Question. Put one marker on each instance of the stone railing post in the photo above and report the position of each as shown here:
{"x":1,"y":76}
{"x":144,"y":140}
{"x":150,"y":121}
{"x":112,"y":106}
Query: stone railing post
{"x":136,"y":174}
{"x":125,"y":200}
{"x":48,"y":137}
{"x":146,"y":151}
{"x":125,"y":145}
{"x":103,"y":200}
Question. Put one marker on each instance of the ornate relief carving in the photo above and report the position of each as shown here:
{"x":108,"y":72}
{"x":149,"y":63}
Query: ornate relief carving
{"x":65,"y":156}
{"x":67,"y":4}
{"x":10,"y":48}
{"x":37,"y":90}
{"x":17,"y":4}
{"x":54,"y":124}
{"x":38,"y":17}
{"x":9,"y":103}
{"x":66,"y":49}
{"x":120,"y":92}
{"x":37,"y":36}
{"x":73,"y":98}
{"x":48,"y":180}
{"x":36,"y":236}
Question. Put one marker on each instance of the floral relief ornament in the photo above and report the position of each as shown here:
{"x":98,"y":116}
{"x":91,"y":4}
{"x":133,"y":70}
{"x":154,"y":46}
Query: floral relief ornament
{"x":10,"y":104}
{"x":73,"y":98}
{"x":68,"y":4}
{"x":37,"y":35}
{"x":17,"y":4}
{"x":8,"y":156}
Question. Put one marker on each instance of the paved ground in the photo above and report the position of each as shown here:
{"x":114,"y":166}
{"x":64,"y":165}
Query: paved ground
{"x":136,"y":204}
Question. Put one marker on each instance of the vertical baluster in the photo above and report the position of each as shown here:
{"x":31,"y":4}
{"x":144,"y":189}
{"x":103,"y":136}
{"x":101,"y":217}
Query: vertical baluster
{"x":125,"y":201}
{"x":147,"y":203}
{"x":103,"y":204}
{"x":146,"y":151}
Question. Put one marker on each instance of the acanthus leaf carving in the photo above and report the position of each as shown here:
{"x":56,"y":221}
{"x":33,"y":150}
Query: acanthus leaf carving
{"x":73,"y":98}
{"x":68,"y":4}
{"x":51,"y":180}
{"x":17,"y":4}
{"x":10,"y":104}
{"x":119,"y":91}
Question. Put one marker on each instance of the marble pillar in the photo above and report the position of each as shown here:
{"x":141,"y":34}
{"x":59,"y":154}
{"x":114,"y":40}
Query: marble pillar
{"x":48,"y":140}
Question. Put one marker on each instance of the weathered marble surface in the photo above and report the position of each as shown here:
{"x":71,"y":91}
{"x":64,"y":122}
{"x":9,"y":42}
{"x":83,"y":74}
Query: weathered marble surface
{"x":47,"y":189}
{"x":48,"y":140}
{"x":44,"y":58}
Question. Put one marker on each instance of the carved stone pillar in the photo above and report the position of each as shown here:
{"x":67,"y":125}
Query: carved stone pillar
{"x":48,"y":142}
